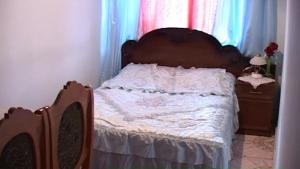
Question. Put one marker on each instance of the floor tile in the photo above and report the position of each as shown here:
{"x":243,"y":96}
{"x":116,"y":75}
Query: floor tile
{"x":252,"y":152}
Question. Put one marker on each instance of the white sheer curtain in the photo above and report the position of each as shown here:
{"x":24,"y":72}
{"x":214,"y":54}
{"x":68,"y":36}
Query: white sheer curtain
{"x":119,"y":20}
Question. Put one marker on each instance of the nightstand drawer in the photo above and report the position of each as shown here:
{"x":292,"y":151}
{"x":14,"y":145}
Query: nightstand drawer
{"x":256,"y":115}
{"x":245,"y":90}
{"x":257,"y":108}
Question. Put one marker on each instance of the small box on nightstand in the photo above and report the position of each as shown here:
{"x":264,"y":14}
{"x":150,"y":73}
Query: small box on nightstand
{"x":258,"y":108}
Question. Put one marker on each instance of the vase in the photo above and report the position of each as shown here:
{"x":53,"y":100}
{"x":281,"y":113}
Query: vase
{"x":268,"y":71}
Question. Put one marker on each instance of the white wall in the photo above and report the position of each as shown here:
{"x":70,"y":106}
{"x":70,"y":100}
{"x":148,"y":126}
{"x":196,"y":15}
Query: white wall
{"x":281,"y":19}
{"x":281,"y":24}
{"x":287,"y":148}
{"x":43,"y":44}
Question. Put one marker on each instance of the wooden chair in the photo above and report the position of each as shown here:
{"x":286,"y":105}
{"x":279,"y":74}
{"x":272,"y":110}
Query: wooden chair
{"x":71,"y":127}
{"x":56,"y":137}
{"x":24,"y":140}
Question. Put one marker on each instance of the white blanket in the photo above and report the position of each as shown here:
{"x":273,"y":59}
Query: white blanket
{"x":127,"y":119}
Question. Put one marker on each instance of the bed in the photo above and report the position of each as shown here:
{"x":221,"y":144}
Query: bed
{"x":147,"y":117}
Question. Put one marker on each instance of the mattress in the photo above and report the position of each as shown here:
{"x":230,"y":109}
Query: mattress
{"x":186,"y":128}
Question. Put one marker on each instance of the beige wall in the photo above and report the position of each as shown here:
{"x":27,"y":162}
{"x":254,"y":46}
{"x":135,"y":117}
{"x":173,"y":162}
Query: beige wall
{"x":43,"y":44}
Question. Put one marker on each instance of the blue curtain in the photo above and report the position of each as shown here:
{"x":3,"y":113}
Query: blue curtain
{"x":119,"y":22}
{"x":229,"y":21}
{"x":249,"y":25}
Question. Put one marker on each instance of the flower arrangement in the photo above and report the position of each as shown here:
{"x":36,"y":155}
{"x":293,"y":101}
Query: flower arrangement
{"x":270,"y":50}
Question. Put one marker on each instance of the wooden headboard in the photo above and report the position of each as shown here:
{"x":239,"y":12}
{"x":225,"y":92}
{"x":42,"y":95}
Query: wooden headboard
{"x":183,"y":47}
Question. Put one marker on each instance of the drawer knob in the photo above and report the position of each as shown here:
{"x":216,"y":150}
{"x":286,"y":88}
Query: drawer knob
{"x":256,"y":92}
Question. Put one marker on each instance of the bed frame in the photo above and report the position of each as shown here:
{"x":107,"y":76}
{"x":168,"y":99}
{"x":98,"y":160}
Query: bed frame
{"x":172,"y":47}
{"x":183,"y":47}
{"x":59,"y":136}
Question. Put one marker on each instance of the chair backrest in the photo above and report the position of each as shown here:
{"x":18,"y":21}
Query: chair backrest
{"x":71,"y":127}
{"x":23,"y":140}
{"x":56,"y":137}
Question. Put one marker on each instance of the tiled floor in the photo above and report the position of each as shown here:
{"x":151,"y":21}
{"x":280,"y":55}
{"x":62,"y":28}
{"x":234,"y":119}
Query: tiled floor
{"x":252,"y":152}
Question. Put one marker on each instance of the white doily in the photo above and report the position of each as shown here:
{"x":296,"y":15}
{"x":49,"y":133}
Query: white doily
{"x":255,"y":82}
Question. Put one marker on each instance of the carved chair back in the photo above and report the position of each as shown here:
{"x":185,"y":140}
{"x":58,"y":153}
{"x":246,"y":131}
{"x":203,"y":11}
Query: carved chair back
{"x":71,"y":127}
{"x":56,"y":137}
{"x":24,"y":140}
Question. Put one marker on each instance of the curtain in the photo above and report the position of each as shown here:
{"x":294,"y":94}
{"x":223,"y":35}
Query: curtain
{"x":247,"y":24}
{"x":119,"y":22}
{"x":202,"y":14}
{"x":229,"y":23}
{"x":196,"y":14}
{"x":260,"y":26}
{"x":162,"y":13}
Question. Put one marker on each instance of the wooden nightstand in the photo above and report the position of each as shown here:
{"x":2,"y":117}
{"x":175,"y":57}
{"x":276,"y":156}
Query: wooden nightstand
{"x":258,"y":108}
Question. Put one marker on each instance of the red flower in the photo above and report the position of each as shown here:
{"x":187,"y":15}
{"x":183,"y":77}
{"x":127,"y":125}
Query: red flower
{"x":269,"y":50}
{"x":273,"y":46}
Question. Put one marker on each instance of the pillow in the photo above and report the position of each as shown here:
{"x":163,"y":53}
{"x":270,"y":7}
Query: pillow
{"x":229,"y":82}
{"x":164,"y":78}
{"x":202,"y":81}
{"x":133,"y":76}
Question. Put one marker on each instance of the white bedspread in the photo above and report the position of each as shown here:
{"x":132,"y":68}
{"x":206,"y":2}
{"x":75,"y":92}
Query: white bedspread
{"x":187,"y":128}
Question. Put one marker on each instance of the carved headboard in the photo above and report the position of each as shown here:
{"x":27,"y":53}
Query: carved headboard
{"x":183,"y":47}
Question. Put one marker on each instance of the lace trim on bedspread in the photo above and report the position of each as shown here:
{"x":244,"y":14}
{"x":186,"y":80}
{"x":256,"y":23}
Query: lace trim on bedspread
{"x":152,"y":145}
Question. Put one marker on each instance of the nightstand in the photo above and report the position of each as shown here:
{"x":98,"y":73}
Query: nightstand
{"x":258,"y":108}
